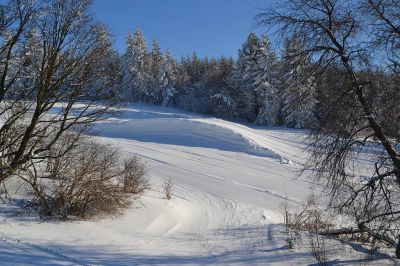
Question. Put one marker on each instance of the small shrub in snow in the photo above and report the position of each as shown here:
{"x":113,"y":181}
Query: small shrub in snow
{"x":290,"y":243}
{"x":311,"y":218}
{"x":292,"y":234}
{"x":168,"y":188}
{"x":318,"y":249}
{"x":133,"y":176}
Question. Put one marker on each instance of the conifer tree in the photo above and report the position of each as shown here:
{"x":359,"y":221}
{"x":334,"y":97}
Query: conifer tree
{"x":298,"y":96}
{"x":135,"y":67}
{"x":244,"y":77}
{"x":265,"y":84}
{"x":169,"y":92}
{"x":223,"y":102}
{"x":256,"y":71}
{"x":29,"y":57}
{"x":156,"y":75}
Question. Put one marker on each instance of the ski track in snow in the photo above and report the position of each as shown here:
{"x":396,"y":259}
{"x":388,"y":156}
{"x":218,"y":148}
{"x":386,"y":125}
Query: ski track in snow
{"x":230,"y":182}
{"x":18,"y":247}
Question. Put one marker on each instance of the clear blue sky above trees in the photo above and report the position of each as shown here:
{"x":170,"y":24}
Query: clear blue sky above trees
{"x":208,"y":27}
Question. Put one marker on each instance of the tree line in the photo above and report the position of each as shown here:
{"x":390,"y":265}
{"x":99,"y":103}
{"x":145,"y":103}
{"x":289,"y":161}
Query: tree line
{"x":257,"y":87}
{"x":261,"y":85}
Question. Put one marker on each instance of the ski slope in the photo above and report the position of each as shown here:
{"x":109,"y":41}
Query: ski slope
{"x":230,"y":183}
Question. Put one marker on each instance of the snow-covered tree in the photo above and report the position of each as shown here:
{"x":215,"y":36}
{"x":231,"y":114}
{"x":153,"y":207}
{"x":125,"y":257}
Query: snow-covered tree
{"x":244,"y":77}
{"x":194,"y":95}
{"x":135,"y":63}
{"x":265,"y":84}
{"x":156,"y":72}
{"x":169,"y":93}
{"x":27,"y":59}
{"x":222,"y":96}
{"x":195,"y":69}
{"x":255,"y":75}
{"x":298,"y":95}
{"x":108,"y":85}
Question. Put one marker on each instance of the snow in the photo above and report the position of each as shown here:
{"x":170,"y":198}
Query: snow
{"x":230,"y":183}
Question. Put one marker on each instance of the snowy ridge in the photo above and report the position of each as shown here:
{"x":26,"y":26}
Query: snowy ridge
{"x":250,"y":135}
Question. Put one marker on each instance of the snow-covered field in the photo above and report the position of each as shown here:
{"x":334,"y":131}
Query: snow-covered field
{"x":230,"y":183}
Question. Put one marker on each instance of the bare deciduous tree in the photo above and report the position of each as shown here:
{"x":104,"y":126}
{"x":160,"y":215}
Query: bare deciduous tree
{"x":335,"y":34}
{"x":50,"y":51}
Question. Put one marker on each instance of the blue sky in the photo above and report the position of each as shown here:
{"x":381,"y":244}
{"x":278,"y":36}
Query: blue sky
{"x":208,"y":27}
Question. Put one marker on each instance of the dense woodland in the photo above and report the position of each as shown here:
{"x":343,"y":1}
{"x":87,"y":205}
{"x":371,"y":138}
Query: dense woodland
{"x":257,"y":87}
{"x":263,"y":86}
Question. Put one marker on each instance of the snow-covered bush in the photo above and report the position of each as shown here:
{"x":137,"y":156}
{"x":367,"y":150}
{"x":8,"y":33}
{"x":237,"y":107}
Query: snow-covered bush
{"x":195,"y":100}
{"x":169,"y":97}
{"x":222,"y":105}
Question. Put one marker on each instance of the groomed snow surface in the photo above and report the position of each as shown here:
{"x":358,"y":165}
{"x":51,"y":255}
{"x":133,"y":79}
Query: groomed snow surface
{"x":230,"y":183}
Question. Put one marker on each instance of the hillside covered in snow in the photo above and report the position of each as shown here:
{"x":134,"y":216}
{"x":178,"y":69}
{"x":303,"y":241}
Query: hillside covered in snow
{"x":230,"y":182}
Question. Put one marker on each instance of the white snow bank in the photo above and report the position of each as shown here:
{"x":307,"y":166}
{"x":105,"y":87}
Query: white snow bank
{"x":182,"y":132}
{"x":252,"y":136}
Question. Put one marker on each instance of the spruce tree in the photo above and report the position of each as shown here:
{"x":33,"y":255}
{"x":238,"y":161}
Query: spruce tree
{"x":135,"y":67}
{"x":244,"y":77}
{"x":27,"y":61}
{"x":222,"y":99}
{"x":298,"y":96}
{"x":256,"y":78}
{"x":156,"y":75}
{"x":265,"y":84}
{"x":169,"y":92}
